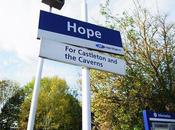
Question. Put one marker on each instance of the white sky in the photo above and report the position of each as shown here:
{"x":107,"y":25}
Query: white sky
{"x":18,"y":30}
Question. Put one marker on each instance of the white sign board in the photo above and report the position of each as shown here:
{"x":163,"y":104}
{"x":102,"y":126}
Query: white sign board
{"x":71,"y":31}
{"x":81,"y":57}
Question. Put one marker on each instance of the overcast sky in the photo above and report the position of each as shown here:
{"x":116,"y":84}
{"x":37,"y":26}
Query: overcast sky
{"x":19,"y":47}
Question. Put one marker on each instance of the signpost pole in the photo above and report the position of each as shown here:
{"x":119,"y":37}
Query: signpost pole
{"x":86,"y":98}
{"x":33,"y":106}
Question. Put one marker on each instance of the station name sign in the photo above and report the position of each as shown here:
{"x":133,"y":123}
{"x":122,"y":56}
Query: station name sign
{"x":155,"y":117}
{"x":79,"y":33}
{"x":81,"y":57}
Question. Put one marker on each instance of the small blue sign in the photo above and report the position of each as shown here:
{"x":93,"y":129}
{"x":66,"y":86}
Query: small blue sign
{"x":79,"y":33}
{"x":152,"y":118}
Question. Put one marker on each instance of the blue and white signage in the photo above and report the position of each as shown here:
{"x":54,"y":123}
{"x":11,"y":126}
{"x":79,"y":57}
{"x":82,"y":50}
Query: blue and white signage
{"x":75,"y":32}
{"x":80,"y":56}
{"x":155,"y":121}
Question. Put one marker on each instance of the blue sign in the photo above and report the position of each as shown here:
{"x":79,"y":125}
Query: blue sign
{"x":75,"y":32}
{"x":151,"y":119}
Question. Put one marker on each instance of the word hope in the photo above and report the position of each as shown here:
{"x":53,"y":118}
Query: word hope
{"x":83,"y":31}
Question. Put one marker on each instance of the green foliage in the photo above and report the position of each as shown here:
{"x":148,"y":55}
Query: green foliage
{"x":149,"y":83}
{"x":56,"y":109}
{"x":9,"y":115}
{"x":7,"y":89}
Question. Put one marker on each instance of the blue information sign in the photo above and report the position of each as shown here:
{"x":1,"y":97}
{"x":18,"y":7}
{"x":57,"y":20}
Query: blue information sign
{"x":79,"y":33}
{"x":156,"y":121}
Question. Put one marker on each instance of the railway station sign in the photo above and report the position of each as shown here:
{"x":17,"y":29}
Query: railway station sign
{"x":71,"y":31}
{"x":80,"y":56}
{"x":158,"y":121}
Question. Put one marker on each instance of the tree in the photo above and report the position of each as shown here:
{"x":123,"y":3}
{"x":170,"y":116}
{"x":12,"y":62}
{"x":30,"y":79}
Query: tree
{"x":150,"y":79}
{"x":9,"y":117}
{"x":10,"y":102}
{"x":56,"y":109}
{"x":7,"y":89}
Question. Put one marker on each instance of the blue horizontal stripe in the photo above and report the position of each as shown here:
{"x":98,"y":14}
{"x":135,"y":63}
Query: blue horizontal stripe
{"x":58,"y":24}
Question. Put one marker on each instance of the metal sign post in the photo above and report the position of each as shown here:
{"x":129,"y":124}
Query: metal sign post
{"x":33,"y":107}
{"x":86,"y":96}
{"x":35,"y":95}
{"x":86,"y":99}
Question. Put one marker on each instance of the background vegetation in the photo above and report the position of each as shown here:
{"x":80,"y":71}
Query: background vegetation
{"x":117,"y":101}
{"x":149,"y":42}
